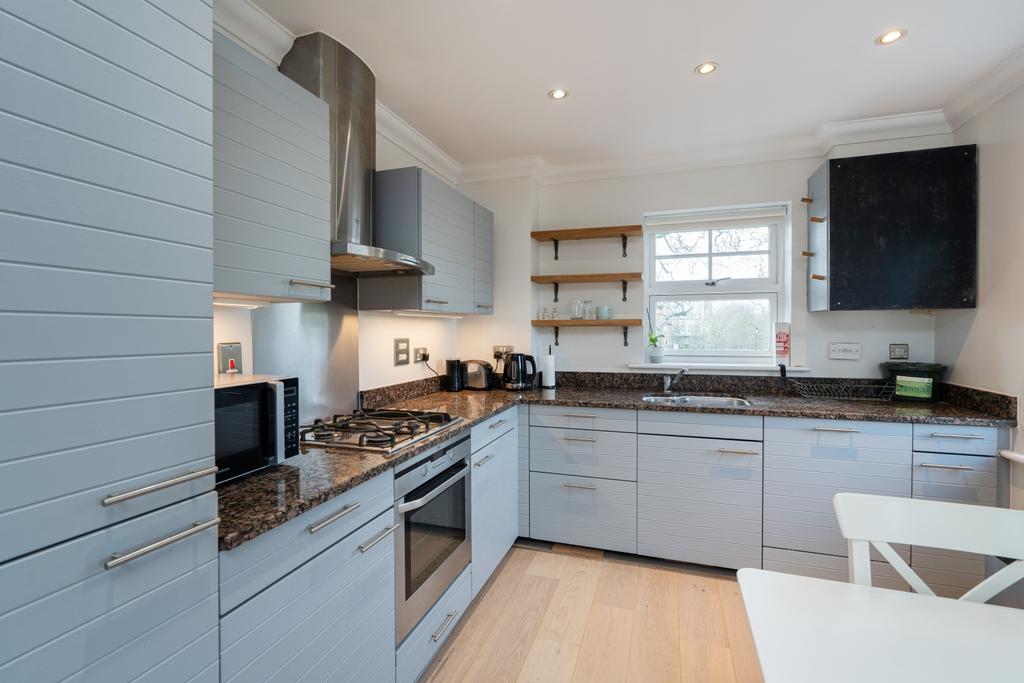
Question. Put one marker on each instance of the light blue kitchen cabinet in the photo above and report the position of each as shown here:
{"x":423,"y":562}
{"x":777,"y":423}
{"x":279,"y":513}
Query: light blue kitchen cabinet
{"x":699,"y":500}
{"x":586,"y":511}
{"x":331,"y":619}
{"x":271,"y":177}
{"x":135,"y":600}
{"x":421,"y":645}
{"x":494,"y":494}
{"x":106,"y":265}
{"x":418,"y":214}
{"x":524,"y":471}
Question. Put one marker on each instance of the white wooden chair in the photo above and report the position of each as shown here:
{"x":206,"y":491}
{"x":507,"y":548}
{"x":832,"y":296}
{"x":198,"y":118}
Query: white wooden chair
{"x":877,"y":521}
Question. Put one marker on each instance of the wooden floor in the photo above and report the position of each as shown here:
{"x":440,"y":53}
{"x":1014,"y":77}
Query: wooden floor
{"x":571,"y":614}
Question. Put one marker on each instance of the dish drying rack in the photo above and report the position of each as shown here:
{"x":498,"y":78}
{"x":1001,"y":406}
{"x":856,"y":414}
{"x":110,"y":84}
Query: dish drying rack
{"x":851,"y":390}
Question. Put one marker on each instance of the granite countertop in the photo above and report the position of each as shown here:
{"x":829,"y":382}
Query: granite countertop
{"x":254,"y":505}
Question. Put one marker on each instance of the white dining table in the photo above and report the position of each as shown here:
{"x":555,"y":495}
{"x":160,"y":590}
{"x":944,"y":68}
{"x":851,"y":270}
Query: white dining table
{"x":815,"y":630}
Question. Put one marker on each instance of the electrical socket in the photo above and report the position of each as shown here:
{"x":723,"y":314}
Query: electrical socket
{"x":420,"y":354}
{"x":500,"y":351}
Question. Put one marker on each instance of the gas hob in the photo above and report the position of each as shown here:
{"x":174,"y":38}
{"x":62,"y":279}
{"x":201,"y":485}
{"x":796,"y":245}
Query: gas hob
{"x":385,"y":431}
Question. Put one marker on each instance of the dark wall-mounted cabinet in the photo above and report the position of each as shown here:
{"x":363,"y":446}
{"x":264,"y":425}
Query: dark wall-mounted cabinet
{"x":894,"y":231}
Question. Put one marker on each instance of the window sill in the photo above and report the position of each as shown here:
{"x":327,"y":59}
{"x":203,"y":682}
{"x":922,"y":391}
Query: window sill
{"x":732,"y":367}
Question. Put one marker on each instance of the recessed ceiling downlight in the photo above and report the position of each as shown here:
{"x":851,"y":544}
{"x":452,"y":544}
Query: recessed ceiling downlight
{"x":891,"y":36}
{"x":706,"y":68}
{"x":558,"y":94}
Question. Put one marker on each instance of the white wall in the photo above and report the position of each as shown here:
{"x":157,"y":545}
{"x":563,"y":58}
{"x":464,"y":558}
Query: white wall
{"x":984,"y":345}
{"x":233,"y":325}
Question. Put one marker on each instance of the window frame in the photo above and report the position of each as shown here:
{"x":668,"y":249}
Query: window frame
{"x":772,"y":288}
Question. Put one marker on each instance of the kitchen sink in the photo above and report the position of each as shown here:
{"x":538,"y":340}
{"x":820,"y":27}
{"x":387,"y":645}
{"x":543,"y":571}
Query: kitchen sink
{"x":697,"y":401}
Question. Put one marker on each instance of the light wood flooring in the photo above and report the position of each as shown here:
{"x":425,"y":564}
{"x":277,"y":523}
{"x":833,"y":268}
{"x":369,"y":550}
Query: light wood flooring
{"x":573,"y":614}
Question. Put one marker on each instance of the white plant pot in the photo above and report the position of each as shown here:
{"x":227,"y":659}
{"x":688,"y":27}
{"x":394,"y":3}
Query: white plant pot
{"x":655,"y":354}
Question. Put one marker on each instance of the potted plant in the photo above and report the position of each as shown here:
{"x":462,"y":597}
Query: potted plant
{"x":654,"y":350}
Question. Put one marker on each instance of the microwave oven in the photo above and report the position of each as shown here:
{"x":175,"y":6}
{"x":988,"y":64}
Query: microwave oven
{"x":256,"y":424}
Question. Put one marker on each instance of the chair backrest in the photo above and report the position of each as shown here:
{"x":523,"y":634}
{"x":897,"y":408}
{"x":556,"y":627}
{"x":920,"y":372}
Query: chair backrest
{"x":867,"y":520}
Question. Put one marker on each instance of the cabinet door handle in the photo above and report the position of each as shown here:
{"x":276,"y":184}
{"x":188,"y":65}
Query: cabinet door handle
{"x":444,"y":627}
{"x":579,"y":415}
{"x":442,"y":302}
{"x":940,"y":466}
{"x":584,"y":439}
{"x":351,"y":507}
{"x":737,"y":451}
{"x":841,"y":430}
{"x":817,"y":219}
{"x":117,"y":559}
{"x":484,"y":306}
{"x":115,"y":498}
{"x":815,"y":276}
{"x":485,"y":460}
{"x":588,"y":487}
{"x":495,"y":425}
{"x":377,"y":539}
{"x":311,"y":283}
{"x":941,"y":435}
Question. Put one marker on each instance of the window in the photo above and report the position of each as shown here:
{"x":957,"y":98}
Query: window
{"x":714,"y":280}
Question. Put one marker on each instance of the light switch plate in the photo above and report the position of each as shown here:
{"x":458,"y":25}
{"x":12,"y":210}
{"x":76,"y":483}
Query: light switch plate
{"x":844,"y":350}
{"x":401,"y":351}
{"x":899,"y":351}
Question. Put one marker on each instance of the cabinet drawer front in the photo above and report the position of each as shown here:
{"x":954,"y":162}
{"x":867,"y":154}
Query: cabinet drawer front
{"x":956,"y":439}
{"x":599,"y":513}
{"x":254,"y":565}
{"x":493,"y":427}
{"x":829,"y":567}
{"x":270,"y":285}
{"x":423,"y":642}
{"x":71,"y":614}
{"x":840,"y":433}
{"x":748,"y":427}
{"x":583,"y":452}
{"x":312,"y":622}
{"x":603,"y":419}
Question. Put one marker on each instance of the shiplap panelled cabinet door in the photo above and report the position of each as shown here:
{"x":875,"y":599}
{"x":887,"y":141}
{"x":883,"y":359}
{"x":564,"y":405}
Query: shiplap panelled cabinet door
{"x":271,"y":176}
{"x":448,"y":245}
{"x":106,"y":273}
{"x":483,"y":273}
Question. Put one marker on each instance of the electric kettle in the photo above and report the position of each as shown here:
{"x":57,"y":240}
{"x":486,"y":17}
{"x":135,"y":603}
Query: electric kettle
{"x":515,"y":376}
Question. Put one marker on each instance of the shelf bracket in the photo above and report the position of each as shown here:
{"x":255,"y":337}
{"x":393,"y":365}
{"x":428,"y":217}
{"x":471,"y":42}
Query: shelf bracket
{"x":625,"y":336}
{"x":555,"y":242}
{"x":556,"y":335}
{"x":556,"y":291}
{"x":624,"y":285}
{"x":624,"y":239}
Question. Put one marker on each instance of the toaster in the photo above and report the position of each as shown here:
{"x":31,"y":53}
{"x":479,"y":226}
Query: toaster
{"x":478,"y":374}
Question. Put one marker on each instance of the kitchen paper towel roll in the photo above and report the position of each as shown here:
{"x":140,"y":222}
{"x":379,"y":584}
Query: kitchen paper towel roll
{"x":547,"y":371}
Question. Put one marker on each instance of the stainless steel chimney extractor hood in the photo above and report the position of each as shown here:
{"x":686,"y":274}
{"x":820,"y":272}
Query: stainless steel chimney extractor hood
{"x":336,"y":75}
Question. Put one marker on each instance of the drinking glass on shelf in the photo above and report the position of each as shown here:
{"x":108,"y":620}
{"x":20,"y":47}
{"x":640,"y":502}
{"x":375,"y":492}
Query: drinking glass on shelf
{"x":577,"y":311}
{"x":588,"y":310}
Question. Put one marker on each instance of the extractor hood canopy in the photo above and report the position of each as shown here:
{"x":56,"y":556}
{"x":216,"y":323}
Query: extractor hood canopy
{"x":336,"y":75}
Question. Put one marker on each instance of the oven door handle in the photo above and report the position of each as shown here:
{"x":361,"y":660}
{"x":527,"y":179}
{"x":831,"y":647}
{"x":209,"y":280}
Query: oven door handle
{"x":420,"y":502}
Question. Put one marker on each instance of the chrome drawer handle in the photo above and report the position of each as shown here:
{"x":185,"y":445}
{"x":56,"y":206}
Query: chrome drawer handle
{"x":579,"y":415}
{"x":313,"y":528}
{"x":736,"y":451}
{"x":442,"y":302}
{"x":940,"y":435}
{"x":377,"y":539}
{"x":587,"y":487}
{"x":584,"y":439}
{"x":444,"y":627}
{"x":843,"y":430}
{"x":115,"y":498}
{"x":117,"y":559}
{"x":485,"y":460}
{"x":938,"y":466}
{"x":497,"y":424}
{"x":311,"y":283}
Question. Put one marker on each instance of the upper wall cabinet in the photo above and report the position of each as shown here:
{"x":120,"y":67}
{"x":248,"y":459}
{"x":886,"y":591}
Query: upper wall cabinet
{"x":894,"y":231}
{"x":271,"y":177}
{"x":416,"y":213}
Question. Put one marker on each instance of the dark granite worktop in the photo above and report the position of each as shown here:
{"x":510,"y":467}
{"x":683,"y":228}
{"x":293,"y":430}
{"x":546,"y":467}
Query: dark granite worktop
{"x":257,"y":504}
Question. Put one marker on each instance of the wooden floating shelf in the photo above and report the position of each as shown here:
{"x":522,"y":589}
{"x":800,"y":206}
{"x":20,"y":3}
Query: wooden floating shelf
{"x":556,"y":236}
{"x":557,"y":280}
{"x":624,"y":323}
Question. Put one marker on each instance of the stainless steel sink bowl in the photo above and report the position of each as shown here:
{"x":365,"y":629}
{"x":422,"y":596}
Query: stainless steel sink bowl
{"x":697,"y":401}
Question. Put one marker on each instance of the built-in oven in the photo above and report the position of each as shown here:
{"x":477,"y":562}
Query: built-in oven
{"x":256,"y":424}
{"x":433,"y":540}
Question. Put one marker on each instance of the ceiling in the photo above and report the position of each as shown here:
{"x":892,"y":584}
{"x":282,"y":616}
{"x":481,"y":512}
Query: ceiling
{"x":473,"y":76}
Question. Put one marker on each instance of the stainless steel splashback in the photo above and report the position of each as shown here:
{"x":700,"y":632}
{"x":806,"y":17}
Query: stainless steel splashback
{"x":336,"y":75}
{"x":316,"y":342}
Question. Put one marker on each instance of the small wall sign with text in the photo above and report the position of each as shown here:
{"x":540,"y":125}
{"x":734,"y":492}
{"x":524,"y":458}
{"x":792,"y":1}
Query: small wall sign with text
{"x":844,"y":350}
